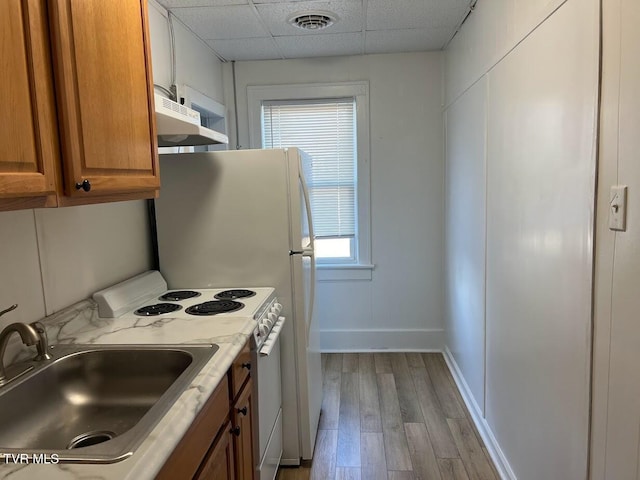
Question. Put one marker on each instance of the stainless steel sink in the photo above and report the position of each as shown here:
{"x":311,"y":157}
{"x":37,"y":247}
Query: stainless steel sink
{"x":95,"y":404}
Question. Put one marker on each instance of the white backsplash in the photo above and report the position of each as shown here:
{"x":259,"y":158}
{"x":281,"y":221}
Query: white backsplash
{"x":84,"y":249}
{"x":20,"y":280}
{"x":52,"y":258}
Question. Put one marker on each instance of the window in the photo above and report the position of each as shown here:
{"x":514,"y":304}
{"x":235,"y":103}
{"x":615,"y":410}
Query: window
{"x":330,"y":123}
{"x":326,"y":130}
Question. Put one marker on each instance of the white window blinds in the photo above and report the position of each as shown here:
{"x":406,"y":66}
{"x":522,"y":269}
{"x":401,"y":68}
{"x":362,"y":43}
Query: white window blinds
{"x":326,"y":130}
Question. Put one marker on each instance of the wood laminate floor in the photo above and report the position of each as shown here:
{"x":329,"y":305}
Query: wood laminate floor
{"x":393,"y":416}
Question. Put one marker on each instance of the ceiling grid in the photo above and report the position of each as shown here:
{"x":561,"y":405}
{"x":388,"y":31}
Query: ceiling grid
{"x":364,"y":27}
{"x":260,"y":29}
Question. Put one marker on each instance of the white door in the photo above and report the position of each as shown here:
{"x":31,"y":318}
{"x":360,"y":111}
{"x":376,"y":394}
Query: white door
{"x":307,"y":353}
{"x":313,"y":360}
{"x":616,"y":390}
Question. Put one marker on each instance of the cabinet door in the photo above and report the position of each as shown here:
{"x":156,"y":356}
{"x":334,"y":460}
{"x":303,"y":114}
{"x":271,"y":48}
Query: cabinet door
{"x":243,"y":433}
{"x":28,"y":146}
{"x":219,"y":462}
{"x":102,"y":63}
{"x":191,"y":453}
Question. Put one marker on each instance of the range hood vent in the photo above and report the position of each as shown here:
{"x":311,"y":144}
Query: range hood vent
{"x":179,"y":126}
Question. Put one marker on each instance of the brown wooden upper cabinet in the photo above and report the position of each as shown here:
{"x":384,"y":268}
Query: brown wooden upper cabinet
{"x":81,"y":124}
{"x":28,"y":131}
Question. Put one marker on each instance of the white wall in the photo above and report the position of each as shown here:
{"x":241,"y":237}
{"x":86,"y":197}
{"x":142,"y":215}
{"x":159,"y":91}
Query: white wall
{"x":490,"y":33}
{"x":465,"y":235}
{"x":84,"y":249}
{"x":52,"y":258}
{"x":400,"y":307}
{"x":20,"y":279}
{"x":616,"y":376}
{"x":531,"y":400}
{"x":196,"y":64}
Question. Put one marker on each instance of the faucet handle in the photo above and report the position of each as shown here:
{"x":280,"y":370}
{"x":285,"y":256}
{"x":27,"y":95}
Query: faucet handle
{"x":43,"y":342}
{"x":12,"y":307}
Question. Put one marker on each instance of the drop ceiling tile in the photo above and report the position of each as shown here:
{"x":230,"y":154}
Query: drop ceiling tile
{"x":200,"y":3}
{"x":276,"y":16}
{"x":303,"y":46}
{"x":411,"y":40}
{"x":222,"y":23}
{"x":246,"y":48}
{"x":404,"y":14}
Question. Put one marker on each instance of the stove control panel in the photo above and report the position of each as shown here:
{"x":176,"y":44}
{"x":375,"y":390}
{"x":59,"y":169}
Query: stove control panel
{"x":267,"y":319}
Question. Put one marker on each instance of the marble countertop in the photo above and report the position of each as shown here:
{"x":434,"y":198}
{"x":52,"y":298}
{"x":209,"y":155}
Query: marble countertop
{"x":80,"y":324}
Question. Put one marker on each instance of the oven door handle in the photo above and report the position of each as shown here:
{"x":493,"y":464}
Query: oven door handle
{"x":272,"y":339}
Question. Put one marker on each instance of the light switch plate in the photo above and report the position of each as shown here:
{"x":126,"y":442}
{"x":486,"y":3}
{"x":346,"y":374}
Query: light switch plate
{"x":618,"y":208}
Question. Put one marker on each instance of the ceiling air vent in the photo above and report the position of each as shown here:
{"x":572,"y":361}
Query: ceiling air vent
{"x":315,"y":20}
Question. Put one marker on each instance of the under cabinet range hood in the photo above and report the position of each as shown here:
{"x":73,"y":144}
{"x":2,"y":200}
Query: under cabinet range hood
{"x":179,"y":126}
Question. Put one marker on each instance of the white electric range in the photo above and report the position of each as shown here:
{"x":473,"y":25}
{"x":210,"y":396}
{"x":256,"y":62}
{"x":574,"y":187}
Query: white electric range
{"x":146,"y":295}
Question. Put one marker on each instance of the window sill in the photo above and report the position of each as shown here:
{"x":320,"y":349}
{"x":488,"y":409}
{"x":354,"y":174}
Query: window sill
{"x":336,"y":272}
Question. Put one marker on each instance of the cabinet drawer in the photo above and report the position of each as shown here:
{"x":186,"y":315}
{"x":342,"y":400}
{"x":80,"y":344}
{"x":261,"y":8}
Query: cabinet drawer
{"x":190,"y":452}
{"x":240,"y":370}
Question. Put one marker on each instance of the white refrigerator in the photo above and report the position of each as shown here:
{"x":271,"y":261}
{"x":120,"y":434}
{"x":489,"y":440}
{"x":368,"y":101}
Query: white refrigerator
{"x":242,"y":218}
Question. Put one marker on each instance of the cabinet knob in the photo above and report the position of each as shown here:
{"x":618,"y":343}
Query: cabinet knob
{"x":85,"y":185}
{"x":243,"y":411}
{"x":236,"y":431}
{"x":246,"y":365}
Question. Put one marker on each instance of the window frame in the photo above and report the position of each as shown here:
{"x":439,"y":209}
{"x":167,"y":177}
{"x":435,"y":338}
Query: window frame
{"x":256,"y":94}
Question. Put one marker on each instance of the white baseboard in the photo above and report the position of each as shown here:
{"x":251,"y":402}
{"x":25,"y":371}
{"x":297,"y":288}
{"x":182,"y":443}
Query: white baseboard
{"x":496,"y":453}
{"x":382,"y":340}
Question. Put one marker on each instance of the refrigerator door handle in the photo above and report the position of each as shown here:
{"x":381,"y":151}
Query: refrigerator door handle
{"x":307,"y":201}
{"x":308,"y":252}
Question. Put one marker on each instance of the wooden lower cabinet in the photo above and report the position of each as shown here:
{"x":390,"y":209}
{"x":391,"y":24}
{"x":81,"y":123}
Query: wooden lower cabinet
{"x":186,"y":459}
{"x":219,"y":463}
{"x":242,"y":414}
{"x":219,"y":443}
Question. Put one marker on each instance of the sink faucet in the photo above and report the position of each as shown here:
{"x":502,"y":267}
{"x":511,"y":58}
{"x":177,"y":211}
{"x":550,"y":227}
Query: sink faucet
{"x":32,"y":334}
